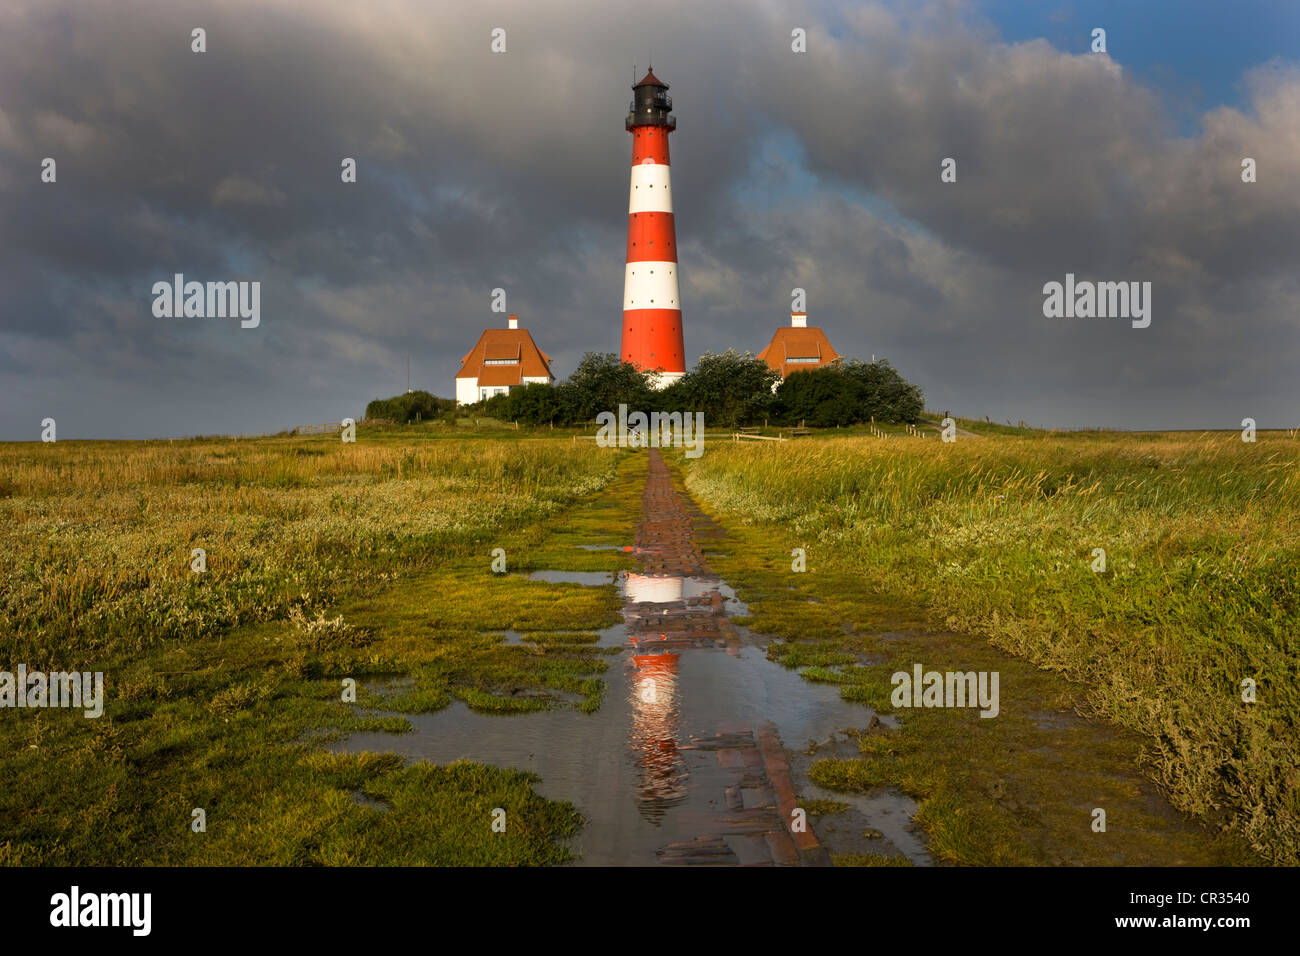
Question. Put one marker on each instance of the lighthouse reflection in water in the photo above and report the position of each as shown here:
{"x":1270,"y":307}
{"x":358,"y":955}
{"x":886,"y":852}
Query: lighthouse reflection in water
{"x":653,"y":686}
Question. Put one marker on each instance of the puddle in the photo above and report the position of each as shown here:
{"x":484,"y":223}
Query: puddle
{"x":667,"y":589}
{"x":878,"y":822}
{"x":613,"y":636}
{"x":630,"y":768}
{"x":683,"y":763}
{"x":652,"y":588}
{"x":390,"y":686}
{"x":588,"y":578}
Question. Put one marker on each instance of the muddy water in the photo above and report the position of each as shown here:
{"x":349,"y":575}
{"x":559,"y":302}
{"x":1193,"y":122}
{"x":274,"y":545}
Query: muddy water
{"x":683,"y":762}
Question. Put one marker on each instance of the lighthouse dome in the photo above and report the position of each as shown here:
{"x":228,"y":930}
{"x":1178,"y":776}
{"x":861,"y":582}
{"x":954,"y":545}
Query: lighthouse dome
{"x":650,"y":80}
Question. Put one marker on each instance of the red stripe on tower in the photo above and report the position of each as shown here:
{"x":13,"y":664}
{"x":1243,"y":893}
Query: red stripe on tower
{"x":652,"y":312}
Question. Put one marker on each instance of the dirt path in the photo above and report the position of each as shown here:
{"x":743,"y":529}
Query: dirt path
{"x":756,"y":821}
{"x":683,"y":763}
{"x":938,"y":426}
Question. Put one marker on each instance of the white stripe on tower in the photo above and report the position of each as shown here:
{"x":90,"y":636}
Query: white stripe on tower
{"x":650,"y":285}
{"x":651,"y":189}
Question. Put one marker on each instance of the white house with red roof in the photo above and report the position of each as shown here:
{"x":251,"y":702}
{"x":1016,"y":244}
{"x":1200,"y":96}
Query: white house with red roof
{"x":502,"y":359}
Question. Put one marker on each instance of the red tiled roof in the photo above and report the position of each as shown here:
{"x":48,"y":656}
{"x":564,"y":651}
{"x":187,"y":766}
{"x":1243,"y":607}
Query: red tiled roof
{"x":505,"y":344}
{"x":498,"y":375}
{"x":651,"y":80}
{"x":798,"y":343}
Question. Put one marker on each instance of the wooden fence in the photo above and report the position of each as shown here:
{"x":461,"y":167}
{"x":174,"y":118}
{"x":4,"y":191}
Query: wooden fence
{"x":323,"y":429}
{"x":328,"y":428}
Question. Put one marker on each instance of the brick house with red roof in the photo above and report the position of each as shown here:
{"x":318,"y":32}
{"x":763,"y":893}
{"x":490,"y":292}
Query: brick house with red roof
{"x":502,"y":359}
{"x":798,"y":347}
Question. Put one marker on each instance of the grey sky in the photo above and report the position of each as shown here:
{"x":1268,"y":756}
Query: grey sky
{"x":477,"y":170}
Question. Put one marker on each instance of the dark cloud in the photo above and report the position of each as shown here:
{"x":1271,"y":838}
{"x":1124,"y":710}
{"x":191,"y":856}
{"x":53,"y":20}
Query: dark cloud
{"x":476,"y":171}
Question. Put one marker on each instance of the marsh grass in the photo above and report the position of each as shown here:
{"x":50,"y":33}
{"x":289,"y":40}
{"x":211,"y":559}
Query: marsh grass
{"x":95,"y":545}
{"x":325,"y":561}
{"x":995,"y":536}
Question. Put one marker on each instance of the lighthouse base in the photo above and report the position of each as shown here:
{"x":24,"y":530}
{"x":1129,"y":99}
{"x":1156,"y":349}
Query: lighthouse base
{"x":661,"y":380}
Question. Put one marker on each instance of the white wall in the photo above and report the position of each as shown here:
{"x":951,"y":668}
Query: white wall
{"x":467,"y":388}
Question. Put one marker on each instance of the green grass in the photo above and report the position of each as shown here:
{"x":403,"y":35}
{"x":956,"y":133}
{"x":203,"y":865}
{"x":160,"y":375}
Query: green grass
{"x":823,"y":808}
{"x":329,"y":561}
{"x":96,"y":544}
{"x":360,"y":562}
{"x":993,"y":538}
{"x":869,"y":859}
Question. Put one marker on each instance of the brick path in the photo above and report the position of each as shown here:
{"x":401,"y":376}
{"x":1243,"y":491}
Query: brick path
{"x":753,"y":824}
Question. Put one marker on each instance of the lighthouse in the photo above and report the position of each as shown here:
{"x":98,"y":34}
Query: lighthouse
{"x":652,"y":309}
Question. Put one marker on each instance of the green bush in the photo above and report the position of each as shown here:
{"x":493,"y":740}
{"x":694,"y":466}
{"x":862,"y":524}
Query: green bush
{"x":843,"y":393}
{"x":731,"y":390}
{"x":410,"y":407}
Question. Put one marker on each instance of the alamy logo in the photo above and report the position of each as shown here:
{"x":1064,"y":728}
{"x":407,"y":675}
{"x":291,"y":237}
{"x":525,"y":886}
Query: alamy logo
{"x":103,"y":909}
{"x":1102,"y":300}
{"x":58,"y":689}
{"x":216,"y":300}
{"x":657,"y":430}
{"x":924,"y":688}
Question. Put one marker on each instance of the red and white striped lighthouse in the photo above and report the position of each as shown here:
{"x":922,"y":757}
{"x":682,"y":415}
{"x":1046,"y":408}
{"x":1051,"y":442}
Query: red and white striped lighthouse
{"x":652,"y":310}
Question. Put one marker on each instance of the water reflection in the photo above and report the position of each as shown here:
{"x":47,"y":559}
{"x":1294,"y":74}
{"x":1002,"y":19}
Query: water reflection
{"x":656,"y":725}
{"x":665,"y":589}
{"x":660,"y":605}
{"x":653,"y":588}
{"x":634,"y":768}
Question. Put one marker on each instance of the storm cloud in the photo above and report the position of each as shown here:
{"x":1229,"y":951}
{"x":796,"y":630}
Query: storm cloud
{"x":476,"y":170}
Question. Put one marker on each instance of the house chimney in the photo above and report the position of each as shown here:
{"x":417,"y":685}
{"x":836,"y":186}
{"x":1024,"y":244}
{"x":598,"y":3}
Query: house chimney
{"x":514,"y":322}
{"x":798,"y":320}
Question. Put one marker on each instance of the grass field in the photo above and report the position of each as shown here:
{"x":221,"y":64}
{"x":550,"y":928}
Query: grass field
{"x":97,"y":537}
{"x":995,"y":537}
{"x":223,"y":685}
{"x":328,"y":561}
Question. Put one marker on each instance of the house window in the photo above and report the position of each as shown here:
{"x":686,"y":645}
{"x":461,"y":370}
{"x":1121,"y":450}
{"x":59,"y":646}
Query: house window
{"x":509,"y":361}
